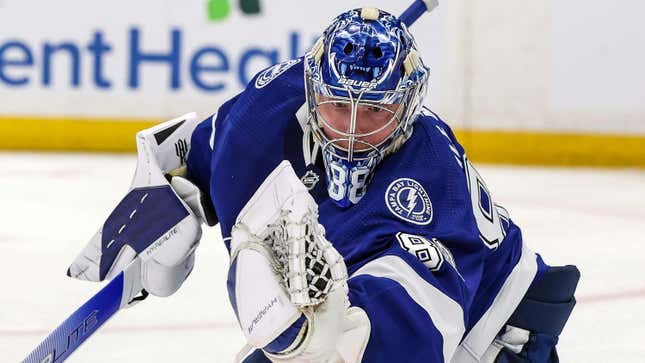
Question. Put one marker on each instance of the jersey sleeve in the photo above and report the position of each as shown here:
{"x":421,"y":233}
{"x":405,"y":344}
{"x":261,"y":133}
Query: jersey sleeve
{"x":488,"y":246}
{"x":414,"y":312}
{"x":200,"y":153}
{"x":201,"y":147}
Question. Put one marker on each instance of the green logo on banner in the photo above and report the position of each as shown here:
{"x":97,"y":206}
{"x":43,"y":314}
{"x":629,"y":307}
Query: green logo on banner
{"x":219,"y":10}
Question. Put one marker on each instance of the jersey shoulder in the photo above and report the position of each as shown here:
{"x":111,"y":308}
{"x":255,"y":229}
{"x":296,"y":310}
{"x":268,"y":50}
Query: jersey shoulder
{"x":440,"y":135}
{"x":285,"y":75}
{"x":274,"y":94}
{"x":486,"y":221}
{"x":254,"y":135}
{"x":432,"y":154}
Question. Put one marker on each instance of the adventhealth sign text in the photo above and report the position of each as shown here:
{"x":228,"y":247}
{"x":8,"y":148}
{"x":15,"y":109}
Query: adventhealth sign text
{"x":19,"y":65}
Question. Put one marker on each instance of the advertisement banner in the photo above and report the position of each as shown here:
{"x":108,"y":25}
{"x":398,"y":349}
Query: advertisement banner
{"x":149,"y":59}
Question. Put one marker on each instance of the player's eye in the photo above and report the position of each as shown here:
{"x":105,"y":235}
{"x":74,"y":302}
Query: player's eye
{"x":375,"y":109}
{"x":339,"y":104}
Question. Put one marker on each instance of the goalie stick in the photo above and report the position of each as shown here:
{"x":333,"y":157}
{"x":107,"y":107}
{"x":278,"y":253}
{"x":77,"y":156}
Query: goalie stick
{"x":89,"y":317}
{"x":122,"y":289}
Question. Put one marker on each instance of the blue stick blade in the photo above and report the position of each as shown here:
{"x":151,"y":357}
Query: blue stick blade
{"x":80,"y":325}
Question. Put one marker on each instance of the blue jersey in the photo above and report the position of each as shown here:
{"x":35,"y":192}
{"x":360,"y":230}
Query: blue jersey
{"x":437,"y":266}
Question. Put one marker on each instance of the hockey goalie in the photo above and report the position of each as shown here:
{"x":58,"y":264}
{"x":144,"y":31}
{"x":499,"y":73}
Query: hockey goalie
{"x":358,"y":229}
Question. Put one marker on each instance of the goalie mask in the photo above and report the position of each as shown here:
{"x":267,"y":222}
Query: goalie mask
{"x":364,"y":85}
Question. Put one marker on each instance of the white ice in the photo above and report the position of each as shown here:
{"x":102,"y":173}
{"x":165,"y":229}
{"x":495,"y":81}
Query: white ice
{"x":52,"y":203}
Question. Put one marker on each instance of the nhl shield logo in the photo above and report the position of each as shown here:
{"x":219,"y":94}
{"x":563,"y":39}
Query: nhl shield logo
{"x":407,"y":199}
{"x":310,"y":179}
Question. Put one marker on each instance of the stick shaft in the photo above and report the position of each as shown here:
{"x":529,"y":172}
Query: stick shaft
{"x":87,"y":319}
{"x":418,"y":8}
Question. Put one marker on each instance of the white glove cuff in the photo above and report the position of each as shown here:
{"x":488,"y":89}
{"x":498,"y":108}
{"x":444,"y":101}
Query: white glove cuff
{"x":168,"y":261}
{"x":162,"y":280}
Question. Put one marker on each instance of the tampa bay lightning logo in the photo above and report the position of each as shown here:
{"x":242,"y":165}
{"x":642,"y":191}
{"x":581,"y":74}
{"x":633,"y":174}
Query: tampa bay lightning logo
{"x":272,"y":73}
{"x":407,"y":199}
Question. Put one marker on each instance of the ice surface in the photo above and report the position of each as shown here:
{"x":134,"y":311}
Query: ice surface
{"x":53,"y":203}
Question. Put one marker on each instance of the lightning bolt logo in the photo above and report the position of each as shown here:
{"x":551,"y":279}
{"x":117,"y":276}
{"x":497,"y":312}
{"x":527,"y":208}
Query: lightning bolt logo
{"x":412,"y":201}
{"x":408,"y":200}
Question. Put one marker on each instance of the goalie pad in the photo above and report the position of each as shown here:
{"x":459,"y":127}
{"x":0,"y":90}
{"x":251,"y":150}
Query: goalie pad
{"x":151,"y":223}
{"x":283,"y":267}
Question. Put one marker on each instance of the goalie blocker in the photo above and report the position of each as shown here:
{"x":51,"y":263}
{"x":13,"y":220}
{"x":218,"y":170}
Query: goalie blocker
{"x":157,"y":222}
{"x":147,"y":243}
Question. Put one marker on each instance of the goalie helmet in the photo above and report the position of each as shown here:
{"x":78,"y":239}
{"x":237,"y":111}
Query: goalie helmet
{"x":365,"y":84}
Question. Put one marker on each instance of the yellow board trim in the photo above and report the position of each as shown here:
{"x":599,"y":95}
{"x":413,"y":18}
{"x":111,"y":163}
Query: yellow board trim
{"x":489,"y":146}
{"x":65,"y":134}
{"x":554,"y":149}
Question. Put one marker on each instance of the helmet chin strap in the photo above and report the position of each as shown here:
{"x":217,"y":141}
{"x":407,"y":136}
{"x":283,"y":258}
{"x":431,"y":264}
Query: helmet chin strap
{"x":309,"y":151}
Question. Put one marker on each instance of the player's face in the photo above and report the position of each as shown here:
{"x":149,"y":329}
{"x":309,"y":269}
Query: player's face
{"x":374,"y":123}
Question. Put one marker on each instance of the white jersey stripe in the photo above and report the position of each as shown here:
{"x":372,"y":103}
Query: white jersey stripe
{"x":211,"y":141}
{"x":446,"y":313}
{"x":483,"y":333}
